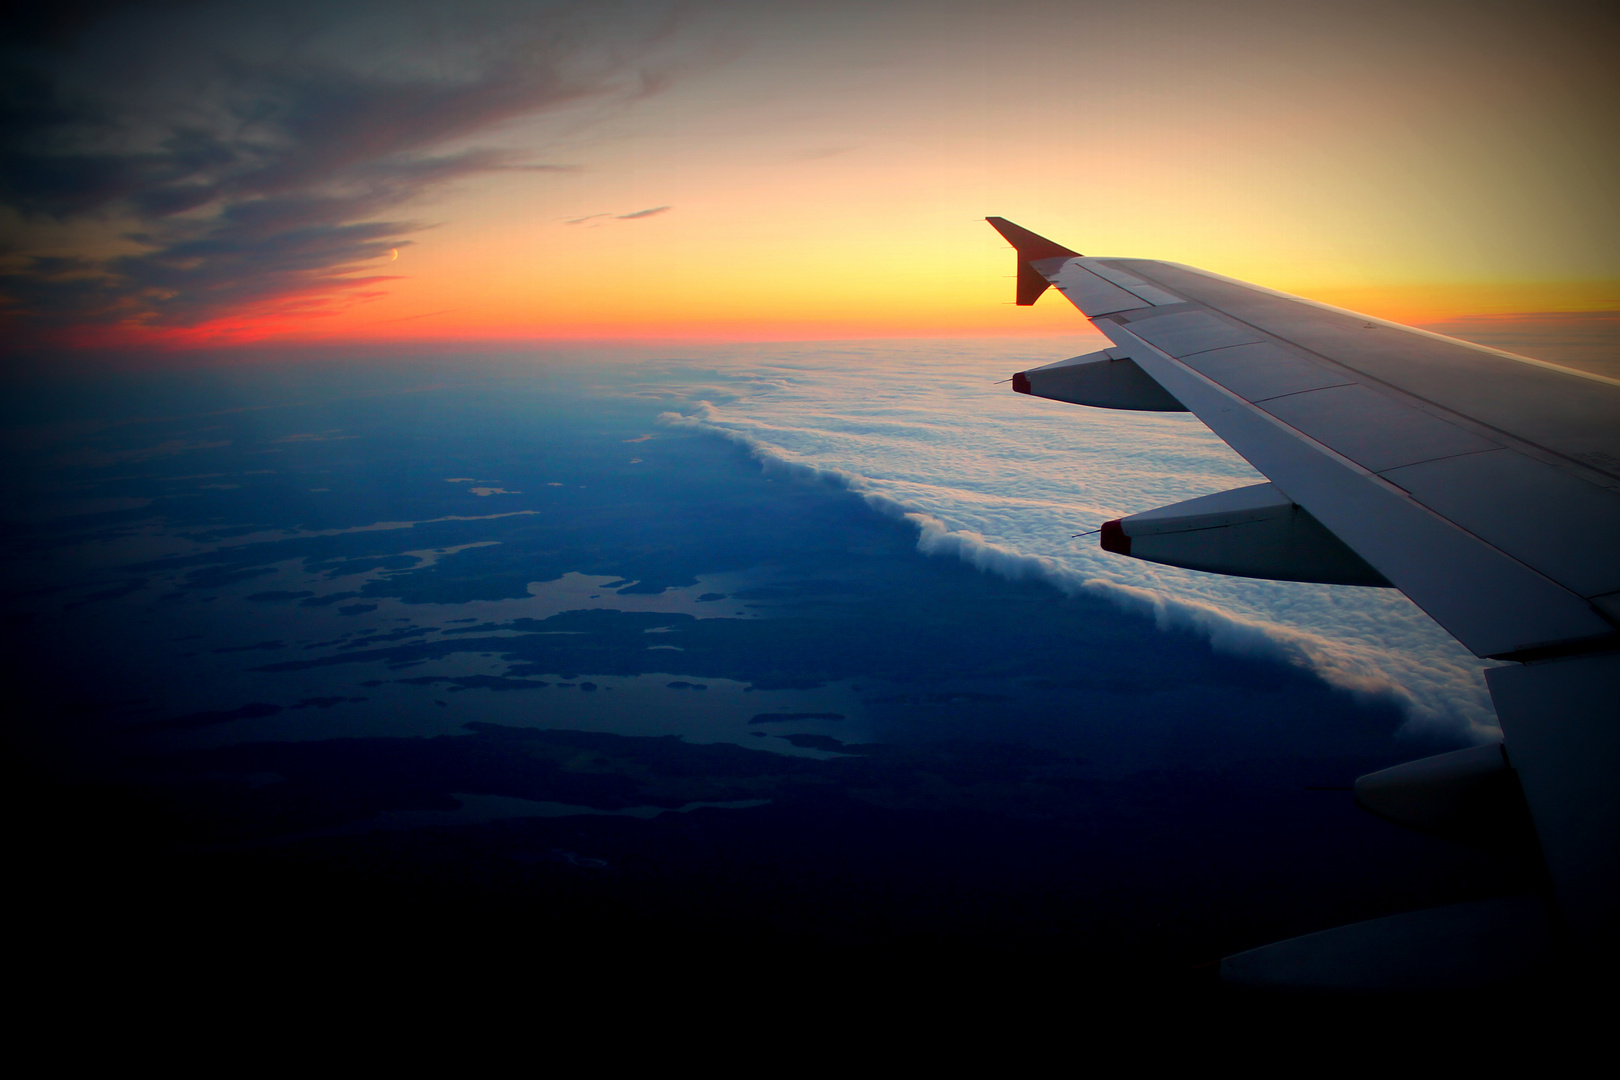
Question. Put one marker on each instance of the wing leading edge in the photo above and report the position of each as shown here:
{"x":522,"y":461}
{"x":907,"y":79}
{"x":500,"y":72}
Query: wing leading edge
{"x":1484,"y":486}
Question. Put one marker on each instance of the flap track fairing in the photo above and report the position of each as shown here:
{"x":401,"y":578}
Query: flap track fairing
{"x":1105,"y":380}
{"x":1469,"y":796}
{"x":1253,"y":532}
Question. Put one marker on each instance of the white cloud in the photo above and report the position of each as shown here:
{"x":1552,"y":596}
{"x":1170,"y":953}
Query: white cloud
{"x":1003,"y":481}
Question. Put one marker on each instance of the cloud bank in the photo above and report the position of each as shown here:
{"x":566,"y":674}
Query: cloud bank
{"x":166,"y":165}
{"x":1003,"y":481}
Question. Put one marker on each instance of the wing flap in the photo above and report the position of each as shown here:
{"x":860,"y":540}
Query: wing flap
{"x":1131,"y":283}
{"x":1372,"y":430}
{"x":1090,"y":293}
{"x":1562,"y":739}
{"x":1187,"y":332}
{"x":1263,"y":371}
{"x":1541,"y":516}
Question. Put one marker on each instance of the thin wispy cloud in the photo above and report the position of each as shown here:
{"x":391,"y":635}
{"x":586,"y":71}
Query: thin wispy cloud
{"x":632,"y":216}
{"x":166,"y":165}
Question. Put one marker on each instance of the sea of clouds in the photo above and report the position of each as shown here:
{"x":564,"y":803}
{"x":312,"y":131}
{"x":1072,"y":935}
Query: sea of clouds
{"x":925,"y":431}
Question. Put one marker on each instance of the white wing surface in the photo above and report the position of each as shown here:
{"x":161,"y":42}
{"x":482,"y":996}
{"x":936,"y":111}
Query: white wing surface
{"x":1483,"y":485}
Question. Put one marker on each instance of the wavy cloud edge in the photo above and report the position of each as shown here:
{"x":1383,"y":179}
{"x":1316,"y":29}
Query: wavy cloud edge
{"x":1341,"y":666}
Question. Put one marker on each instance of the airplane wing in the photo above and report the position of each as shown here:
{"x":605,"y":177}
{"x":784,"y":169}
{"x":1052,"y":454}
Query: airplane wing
{"x":1485,"y":486}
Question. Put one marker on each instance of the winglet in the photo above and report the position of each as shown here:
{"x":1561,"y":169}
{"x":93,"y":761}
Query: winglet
{"x":1030,"y":246}
{"x":1031,"y":282}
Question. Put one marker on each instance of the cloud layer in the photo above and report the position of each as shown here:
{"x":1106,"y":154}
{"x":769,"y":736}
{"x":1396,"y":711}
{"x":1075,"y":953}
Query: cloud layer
{"x":171,"y":164}
{"x":1003,"y":481}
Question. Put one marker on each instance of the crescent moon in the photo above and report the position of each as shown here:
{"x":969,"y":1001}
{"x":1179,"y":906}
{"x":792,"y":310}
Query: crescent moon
{"x":393,"y":253}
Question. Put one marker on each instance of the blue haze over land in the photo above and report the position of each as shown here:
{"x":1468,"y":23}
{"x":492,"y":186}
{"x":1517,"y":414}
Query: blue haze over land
{"x":643,"y":622}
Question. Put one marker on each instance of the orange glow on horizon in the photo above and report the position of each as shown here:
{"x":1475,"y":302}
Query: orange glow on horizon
{"x":827,"y":179}
{"x":959,"y":312}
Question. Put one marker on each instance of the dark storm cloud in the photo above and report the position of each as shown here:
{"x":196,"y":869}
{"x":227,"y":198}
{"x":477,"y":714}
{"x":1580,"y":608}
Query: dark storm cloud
{"x":253,"y":155}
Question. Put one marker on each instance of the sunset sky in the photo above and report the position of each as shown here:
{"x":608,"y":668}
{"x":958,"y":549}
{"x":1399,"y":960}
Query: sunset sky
{"x":205,"y":174}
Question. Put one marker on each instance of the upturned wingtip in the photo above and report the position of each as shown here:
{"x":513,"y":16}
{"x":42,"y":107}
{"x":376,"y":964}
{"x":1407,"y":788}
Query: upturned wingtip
{"x":1030,"y":245}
